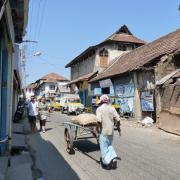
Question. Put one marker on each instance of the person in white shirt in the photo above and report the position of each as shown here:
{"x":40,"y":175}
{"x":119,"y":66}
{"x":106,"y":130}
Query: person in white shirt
{"x":32,"y":113}
{"x":106,"y":114}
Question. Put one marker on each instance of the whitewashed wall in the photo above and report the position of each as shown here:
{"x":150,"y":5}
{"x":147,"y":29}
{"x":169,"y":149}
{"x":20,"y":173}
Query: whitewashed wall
{"x":92,"y":64}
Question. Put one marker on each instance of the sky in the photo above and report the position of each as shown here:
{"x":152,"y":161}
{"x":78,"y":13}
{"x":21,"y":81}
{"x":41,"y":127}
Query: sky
{"x":64,"y":28}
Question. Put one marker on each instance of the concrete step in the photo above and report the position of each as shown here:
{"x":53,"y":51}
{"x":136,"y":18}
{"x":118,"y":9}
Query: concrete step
{"x":21,"y":159}
{"x":3,"y":167}
{"x":20,"y":172}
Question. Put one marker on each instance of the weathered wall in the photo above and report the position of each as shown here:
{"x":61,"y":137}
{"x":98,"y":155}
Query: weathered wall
{"x":113,"y":53}
{"x":92,"y":64}
{"x":146,"y":80}
{"x":164,"y":67}
{"x":170,"y":98}
{"x":83,"y":67}
{"x":169,"y":122}
{"x":168,"y":95}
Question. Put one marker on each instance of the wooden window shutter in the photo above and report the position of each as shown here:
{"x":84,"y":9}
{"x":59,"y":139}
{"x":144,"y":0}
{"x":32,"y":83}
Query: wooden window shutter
{"x":103,"y":61}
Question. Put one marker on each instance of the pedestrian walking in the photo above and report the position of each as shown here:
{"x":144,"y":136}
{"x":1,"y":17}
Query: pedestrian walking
{"x":43,"y":113}
{"x":106,"y":115}
{"x":32,"y":111}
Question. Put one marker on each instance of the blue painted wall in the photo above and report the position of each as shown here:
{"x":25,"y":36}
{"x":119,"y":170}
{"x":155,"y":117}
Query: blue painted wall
{"x":4,"y":97}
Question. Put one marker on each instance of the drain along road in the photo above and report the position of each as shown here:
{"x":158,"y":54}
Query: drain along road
{"x":146,"y":153}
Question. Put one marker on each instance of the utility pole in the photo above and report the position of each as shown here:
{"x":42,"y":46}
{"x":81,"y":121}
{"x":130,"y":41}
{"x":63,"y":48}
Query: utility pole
{"x":24,"y":58}
{"x":23,"y":64}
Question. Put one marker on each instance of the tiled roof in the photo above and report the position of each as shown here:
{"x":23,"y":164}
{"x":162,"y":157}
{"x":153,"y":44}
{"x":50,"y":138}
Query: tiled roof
{"x":121,"y":35}
{"x":143,"y":55}
{"x":84,"y":77}
{"x":31,"y":86}
{"x":54,"y":77}
{"x":126,"y":38}
{"x":50,"y":81}
{"x":124,"y":35}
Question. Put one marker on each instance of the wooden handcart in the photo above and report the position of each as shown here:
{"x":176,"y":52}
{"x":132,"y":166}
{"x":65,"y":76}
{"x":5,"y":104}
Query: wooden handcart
{"x":75,"y":132}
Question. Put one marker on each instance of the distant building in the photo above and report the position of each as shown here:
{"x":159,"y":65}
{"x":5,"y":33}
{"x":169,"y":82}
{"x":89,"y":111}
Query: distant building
{"x":30,"y":90}
{"x":47,"y":85}
{"x":98,"y":57}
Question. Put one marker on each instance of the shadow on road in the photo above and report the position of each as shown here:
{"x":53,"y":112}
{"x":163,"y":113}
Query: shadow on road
{"x":85,"y":147}
{"x":47,"y":158}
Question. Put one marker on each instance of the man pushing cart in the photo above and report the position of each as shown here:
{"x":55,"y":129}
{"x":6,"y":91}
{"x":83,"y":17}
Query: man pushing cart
{"x":106,"y":115}
{"x":100,"y":127}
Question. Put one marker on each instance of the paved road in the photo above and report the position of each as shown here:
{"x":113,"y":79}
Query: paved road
{"x":147,"y":153}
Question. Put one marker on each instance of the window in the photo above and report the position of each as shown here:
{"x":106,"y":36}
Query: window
{"x":106,"y":90}
{"x":52,"y":87}
{"x":122,"y":47}
{"x":103,"y":62}
{"x":103,"y":52}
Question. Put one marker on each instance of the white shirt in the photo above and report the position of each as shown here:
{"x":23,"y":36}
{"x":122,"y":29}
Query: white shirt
{"x":106,"y":114}
{"x":32,"y":108}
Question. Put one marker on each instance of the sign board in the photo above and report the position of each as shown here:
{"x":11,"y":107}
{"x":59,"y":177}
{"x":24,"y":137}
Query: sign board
{"x":147,"y":103}
{"x":105,"y":83}
{"x":97,"y":91}
{"x":119,"y":91}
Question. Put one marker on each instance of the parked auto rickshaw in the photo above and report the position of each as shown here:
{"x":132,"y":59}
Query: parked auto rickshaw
{"x":71,"y":104}
{"x":55,"y":105}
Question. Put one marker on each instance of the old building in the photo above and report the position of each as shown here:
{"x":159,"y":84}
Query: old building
{"x":168,"y":93}
{"x":30,"y":90}
{"x":98,"y":57}
{"x":133,"y":76}
{"x":48,"y":84}
{"x":17,"y":78}
{"x":13,"y":20}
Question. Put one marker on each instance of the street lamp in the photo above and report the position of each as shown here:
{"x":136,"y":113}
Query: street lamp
{"x":27,"y":41}
{"x":38,"y":53}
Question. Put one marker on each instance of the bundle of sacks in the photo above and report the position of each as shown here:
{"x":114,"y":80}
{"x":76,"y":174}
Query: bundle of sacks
{"x":85,"y":119}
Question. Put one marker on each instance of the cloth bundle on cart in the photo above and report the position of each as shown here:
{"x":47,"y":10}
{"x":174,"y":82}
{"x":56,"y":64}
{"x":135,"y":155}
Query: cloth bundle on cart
{"x":85,"y":119}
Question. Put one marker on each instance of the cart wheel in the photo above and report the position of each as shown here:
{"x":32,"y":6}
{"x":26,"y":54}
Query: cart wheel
{"x":68,"y":141}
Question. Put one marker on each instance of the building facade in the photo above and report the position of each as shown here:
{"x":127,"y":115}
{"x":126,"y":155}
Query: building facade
{"x":48,"y":85}
{"x":132,"y":78}
{"x":30,"y":90}
{"x":13,"y":21}
{"x":96,"y":59}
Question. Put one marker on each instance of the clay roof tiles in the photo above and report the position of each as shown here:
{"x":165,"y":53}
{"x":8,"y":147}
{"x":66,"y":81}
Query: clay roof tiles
{"x":31,"y":86}
{"x":53,"y":77}
{"x":143,"y":55}
{"x":86,"y":77}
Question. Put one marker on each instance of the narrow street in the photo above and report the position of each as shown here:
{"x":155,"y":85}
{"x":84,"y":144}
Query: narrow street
{"x":146,"y":153}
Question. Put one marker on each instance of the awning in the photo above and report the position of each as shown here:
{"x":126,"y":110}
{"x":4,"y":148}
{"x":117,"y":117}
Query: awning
{"x":85,"y":77}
